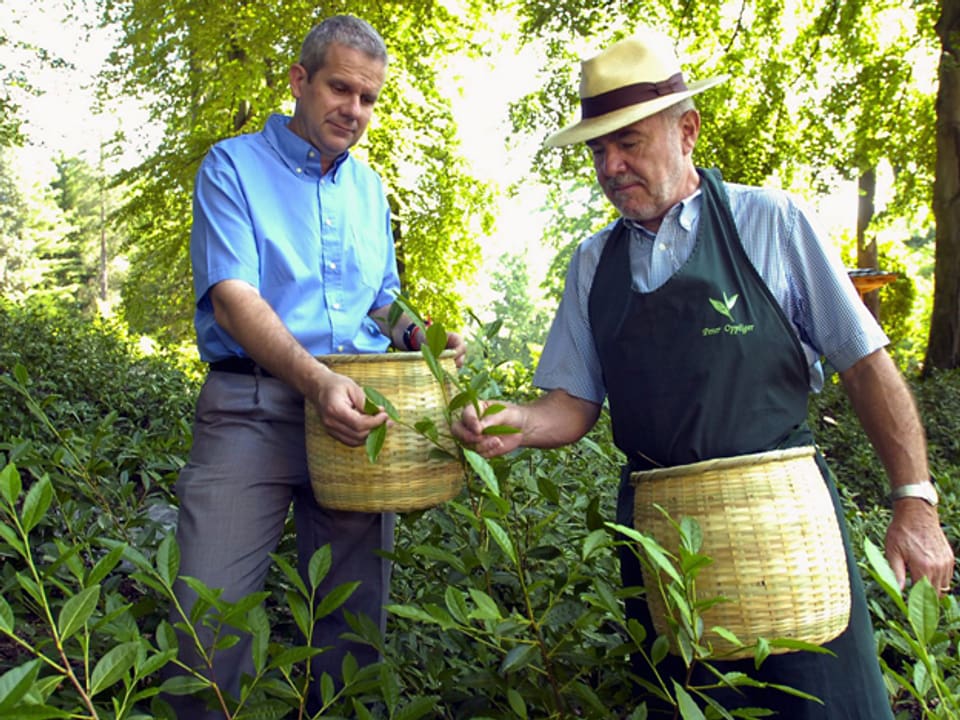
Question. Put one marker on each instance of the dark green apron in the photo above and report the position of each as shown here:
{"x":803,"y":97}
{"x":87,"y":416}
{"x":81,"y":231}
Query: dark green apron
{"x":708,"y":366}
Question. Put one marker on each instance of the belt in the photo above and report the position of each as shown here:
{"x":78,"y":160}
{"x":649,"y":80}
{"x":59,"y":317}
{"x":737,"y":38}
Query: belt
{"x":239,"y":366}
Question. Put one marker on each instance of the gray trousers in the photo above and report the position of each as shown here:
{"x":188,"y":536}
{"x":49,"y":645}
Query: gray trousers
{"x":246,"y":466}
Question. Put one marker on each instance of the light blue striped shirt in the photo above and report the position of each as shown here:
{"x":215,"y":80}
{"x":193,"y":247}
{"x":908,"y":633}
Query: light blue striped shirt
{"x":317,"y":246}
{"x":808,"y":281}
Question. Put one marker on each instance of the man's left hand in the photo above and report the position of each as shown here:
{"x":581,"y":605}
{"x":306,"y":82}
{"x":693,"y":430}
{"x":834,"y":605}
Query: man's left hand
{"x":915,"y":544}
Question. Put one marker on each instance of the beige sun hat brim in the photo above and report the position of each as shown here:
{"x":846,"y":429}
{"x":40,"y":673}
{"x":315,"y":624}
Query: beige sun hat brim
{"x":632,"y":79}
{"x":602,"y":124}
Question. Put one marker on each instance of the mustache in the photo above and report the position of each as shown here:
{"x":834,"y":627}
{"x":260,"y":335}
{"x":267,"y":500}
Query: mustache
{"x":622,"y":181}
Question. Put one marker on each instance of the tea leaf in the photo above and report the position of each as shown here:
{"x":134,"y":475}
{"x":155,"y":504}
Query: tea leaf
{"x":36,"y":503}
{"x":7,"y":618}
{"x":104,"y":566}
{"x":335,"y":598}
{"x":418,"y":707}
{"x":596,"y":539}
{"x":10,"y":484}
{"x":259,"y":624}
{"x":319,"y":566}
{"x":486,"y":608}
{"x":379,"y":400}
{"x":16,"y":683}
{"x":77,"y":610}
{"x":412,"y":612}
{"x":290,"y":572}
{"x":113,"y":666}
{"x":437,"y":340}
{"x":493,"y":409}
{"x":300,"y":612}
{"x":374,"y":442}
{"x":483,"y":469}
{"x":924,"y":610}
{"x":456,"y":603}
{"x":517,"y":703}
{"x":884,"y":574}
{"x":502,"y":539}
{"x":688,"y":708}
{"x":168,"y":560}
{"x":518,"y":658}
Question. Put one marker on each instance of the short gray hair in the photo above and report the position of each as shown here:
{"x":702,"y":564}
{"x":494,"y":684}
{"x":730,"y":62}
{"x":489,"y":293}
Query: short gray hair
{"x":343,"y":29}
{"x":677,"y":110}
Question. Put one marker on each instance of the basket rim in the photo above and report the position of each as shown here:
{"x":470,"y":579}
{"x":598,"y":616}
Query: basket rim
{"x":401,"y":356}
{"x":725,"y":463}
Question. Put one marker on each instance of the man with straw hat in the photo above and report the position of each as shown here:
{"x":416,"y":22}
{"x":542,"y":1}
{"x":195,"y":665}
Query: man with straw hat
{"x":637,"y":326}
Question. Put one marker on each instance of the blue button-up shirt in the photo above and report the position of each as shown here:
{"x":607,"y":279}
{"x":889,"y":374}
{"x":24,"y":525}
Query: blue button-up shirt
{"x":808,"y":281}
{"x":318,"y":247}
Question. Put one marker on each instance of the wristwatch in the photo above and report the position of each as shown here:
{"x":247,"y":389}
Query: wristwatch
{"x":925,"y":491}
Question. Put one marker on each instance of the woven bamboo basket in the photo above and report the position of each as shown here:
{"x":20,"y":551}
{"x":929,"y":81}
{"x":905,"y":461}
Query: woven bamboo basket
{"x":769,"y":525}
{"x":404,"y":477}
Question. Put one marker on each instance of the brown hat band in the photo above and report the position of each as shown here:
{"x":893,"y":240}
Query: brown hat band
{"x":630,"y":95}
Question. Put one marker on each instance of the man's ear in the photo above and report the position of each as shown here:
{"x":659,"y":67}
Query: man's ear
{"x":298,"y":77}
{"x":689,"y":130}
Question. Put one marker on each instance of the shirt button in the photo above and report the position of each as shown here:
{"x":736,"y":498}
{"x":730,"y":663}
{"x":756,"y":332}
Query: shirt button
{"x":299,"y":171}
{"x":663,"y":246}
{"x":339,"y":348}
{"x":311,"y":154}
{"x":336,"y":306}
{"x":333,"y":266}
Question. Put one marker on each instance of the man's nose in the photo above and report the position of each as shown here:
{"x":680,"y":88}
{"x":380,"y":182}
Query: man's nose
{"x":353,"y":106}
{"x":613,"y":161}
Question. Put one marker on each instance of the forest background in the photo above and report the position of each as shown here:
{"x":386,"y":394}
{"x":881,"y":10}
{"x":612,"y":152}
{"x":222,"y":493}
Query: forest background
{"x":853,"y":106}
{"x":836,"y":102}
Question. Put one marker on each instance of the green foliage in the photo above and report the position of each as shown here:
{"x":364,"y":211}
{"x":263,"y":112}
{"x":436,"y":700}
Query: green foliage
{"x":522,"y":324}
{"x":31,"y":231}
{"x":84,"y":265}
{"x":507,"y":600}
{"x":81,"y":401}
{"x":818,"y":92}
{"x":925,"y":630}
{"x":223,"y":71}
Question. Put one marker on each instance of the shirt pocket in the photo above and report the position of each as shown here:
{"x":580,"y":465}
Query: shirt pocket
{"x":365,"y":256}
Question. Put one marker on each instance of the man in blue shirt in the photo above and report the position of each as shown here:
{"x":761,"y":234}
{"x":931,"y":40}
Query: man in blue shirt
{"x":293,"y":257}
{"x":700,"y":316}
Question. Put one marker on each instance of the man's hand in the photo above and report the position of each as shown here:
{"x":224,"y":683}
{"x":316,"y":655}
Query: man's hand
{"x":879,"y":395}
{"x":457,"y":344}
{"x":469,"y":429}
{"x":339,"y":401}
{"x":915,"y":544}
{"x":550,"y":421}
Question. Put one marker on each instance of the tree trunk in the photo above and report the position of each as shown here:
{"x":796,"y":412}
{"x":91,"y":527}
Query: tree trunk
{"x":867,"y":256}
{"x":943,"y":347}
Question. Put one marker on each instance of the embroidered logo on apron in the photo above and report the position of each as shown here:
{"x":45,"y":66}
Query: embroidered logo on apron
{"x":725,"y":308}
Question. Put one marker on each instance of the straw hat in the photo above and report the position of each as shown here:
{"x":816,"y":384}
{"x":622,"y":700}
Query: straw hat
{"x":632,"y":79}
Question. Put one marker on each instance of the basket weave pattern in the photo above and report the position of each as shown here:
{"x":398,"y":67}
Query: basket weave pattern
{"x":769,"y":525}
{"x":404,"y":477}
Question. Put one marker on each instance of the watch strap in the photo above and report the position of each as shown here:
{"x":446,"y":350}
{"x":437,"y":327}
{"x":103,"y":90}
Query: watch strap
{"x":923,"y":491}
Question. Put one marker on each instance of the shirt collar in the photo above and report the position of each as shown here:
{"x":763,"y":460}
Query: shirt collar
{"x":297,"y":154}
{"x":686,"y":213}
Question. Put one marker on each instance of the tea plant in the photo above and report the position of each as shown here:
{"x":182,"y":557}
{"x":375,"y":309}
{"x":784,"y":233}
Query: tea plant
{"x":925,"y":629}
{"x":529,"y":603}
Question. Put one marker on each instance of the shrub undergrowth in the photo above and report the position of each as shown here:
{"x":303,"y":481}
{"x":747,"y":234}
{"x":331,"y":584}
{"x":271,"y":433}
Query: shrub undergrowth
{"x":506,"y":601}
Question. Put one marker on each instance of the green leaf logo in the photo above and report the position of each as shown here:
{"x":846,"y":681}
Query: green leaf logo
{"x":725,"y":306}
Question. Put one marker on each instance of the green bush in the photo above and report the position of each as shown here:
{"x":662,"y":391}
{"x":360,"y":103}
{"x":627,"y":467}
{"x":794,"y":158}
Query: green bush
{"x":506,"y":601}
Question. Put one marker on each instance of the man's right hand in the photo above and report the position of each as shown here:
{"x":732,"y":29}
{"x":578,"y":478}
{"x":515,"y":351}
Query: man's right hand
{"x":339,"y":401}
{"x":551,"y":420}
{"x":469,"y":429}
